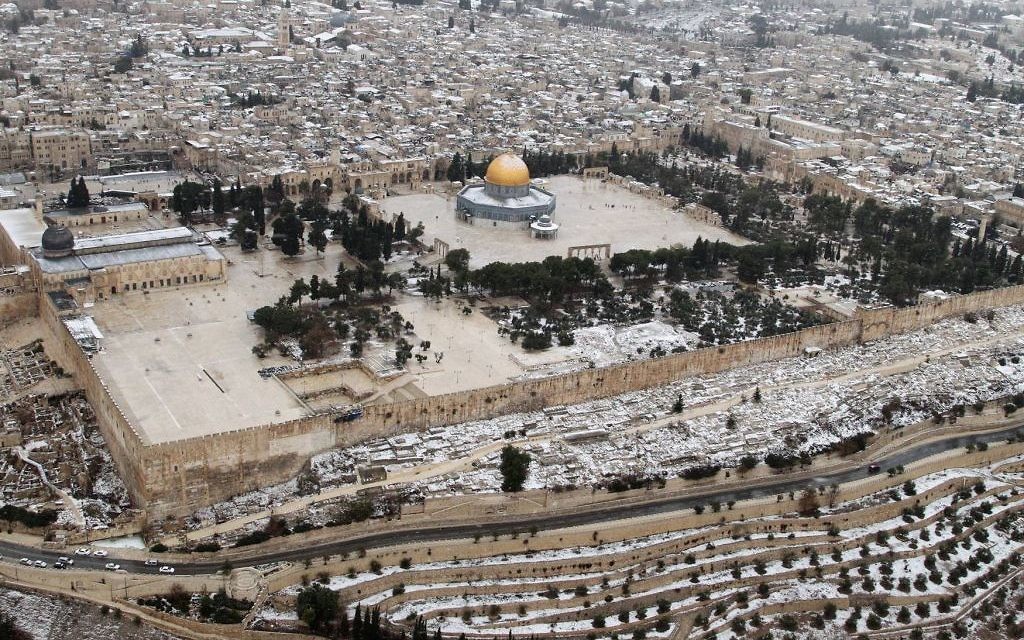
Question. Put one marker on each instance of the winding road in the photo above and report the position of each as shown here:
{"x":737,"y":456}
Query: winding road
{"x":782,"y":483}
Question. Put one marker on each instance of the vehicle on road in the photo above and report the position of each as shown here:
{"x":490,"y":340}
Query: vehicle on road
{"x":40,"y":564}
{"x":25,"y":561}
{"x":166,"y":569}
{"x":58,"y":565}
{"x":99,"y":553}
{"x":83,"y":551}
{"x":110,"y":566}
{"x":66,"y":560}
{"x":151,"y":562}
{"x":874,"y":468}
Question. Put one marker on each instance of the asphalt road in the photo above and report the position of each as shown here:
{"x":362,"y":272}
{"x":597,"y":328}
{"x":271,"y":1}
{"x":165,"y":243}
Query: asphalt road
{"x":783,"y":483}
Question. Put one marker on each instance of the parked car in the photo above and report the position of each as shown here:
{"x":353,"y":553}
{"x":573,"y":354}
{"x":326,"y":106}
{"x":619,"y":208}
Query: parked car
{"x":110,"y":566}
{"x":166,"y":569}
{"x":151,"y":562}
{"x":25,"y":561}
{"x":874,"y":468}
{"x":58,"y":565}
{"x":66,"y":560}
{"x":40,"y":564}
{"x":83,"y":551}
{"x":99,"y":553}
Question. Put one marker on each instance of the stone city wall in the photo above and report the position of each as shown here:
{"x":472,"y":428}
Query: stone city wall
{"x":186,"y":474}
{"x":177,"y":477}
{"x":125,"y":446}
{"x":190,"y":473}
{"x":880,"y":323}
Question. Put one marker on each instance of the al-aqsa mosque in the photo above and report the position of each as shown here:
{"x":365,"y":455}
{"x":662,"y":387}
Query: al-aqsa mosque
{"x":506,"y":198}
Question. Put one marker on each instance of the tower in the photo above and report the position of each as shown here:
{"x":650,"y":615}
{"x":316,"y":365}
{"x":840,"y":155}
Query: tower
{"x":283,"y":29}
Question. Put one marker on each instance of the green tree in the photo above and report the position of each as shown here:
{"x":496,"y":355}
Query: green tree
{"x":218,"y":198}
{"x":290,"y":246}
{"x":186,"y":198}
{"x":317,"y":236}
{"x":457,"y":169}
{"x":78,"y":194}
{"x":123,"y":64}
{"x":317,"y":606}
{"x":515,"y":467}
{"x":457,"y":260}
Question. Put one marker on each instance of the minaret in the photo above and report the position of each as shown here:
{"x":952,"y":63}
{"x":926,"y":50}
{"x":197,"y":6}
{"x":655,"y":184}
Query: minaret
{"x":283,"y":30}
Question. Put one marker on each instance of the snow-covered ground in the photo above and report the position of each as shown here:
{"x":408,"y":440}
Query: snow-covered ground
{"x":894,"y":556}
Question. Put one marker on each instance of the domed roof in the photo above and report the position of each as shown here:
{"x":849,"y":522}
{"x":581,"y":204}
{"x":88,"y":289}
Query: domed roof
{"x":58,"y":239}
{"x":508,"y":170}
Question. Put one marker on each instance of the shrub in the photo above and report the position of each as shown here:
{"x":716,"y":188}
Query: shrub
{"x":207,"y":547}
{"x":32,"y":519}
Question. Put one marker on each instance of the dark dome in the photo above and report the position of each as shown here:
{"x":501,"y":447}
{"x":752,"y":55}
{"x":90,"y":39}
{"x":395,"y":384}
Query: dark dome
{"x":58,"y":239}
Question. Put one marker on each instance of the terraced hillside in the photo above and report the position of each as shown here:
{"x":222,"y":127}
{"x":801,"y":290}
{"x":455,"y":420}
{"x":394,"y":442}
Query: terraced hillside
{"x":912,"y":553}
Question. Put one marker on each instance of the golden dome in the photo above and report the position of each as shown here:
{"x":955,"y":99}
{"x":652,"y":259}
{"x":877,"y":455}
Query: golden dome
{"x":508,"y":170}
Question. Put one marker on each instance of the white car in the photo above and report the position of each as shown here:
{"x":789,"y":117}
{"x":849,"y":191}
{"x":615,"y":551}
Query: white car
{"x":99,"y":553}
{"x":25,"y":561}
{"x":166,"y":569}
{"x":40,"y":564}
{"x":84,"y":551}
{"x":110,"y":566}
{"x":151,"y":563}
{"x":66,"y":560}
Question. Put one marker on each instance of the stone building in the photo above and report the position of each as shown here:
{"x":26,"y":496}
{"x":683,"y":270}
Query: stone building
{"x":91,"y":269}
{"x":506,"y":197}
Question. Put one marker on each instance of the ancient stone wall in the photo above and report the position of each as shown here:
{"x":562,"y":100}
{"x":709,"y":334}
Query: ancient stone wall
{"x":125,"y":445}
{"x":880,"y":323}
{"x":190,"y":473}
{"x":177,"y":477}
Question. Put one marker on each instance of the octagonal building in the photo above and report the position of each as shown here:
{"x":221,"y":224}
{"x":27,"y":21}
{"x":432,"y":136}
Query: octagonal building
{"x":505,"y":198}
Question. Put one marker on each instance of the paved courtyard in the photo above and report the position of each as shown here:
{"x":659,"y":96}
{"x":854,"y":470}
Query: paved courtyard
{"x":179,"y":361}
{"x":589,"y":212}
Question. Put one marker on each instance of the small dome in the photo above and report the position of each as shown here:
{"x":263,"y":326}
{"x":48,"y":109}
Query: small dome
{"x":58,"y":239}
{"x":508,"y":170}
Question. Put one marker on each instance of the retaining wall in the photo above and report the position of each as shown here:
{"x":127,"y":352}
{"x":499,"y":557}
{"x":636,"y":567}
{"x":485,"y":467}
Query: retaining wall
{"x":176,"y":478}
